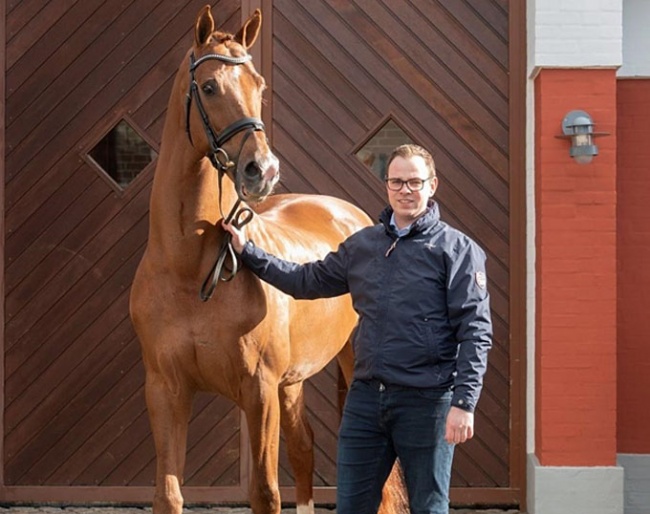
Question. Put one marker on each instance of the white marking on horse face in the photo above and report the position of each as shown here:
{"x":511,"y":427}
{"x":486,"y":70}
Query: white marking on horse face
{"x":270,"y":168}
{"x":305,"y":509}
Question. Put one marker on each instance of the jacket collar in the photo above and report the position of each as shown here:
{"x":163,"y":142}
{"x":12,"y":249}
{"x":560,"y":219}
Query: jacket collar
{"x":428,"y":220}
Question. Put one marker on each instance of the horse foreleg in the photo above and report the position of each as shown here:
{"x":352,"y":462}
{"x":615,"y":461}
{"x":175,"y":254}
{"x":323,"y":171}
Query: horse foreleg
{"x":169,"y":413}
{"x":262,"y":407}
{"x":300,"y":444}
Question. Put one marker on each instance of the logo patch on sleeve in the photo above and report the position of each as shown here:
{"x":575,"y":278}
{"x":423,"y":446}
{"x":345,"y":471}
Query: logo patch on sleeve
{"x":481,"y":279}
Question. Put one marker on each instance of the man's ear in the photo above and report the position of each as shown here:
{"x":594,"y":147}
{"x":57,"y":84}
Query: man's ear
{"x":434,"y":185}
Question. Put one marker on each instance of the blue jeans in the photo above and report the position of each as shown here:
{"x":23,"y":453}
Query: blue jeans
{"x":384,"y":422}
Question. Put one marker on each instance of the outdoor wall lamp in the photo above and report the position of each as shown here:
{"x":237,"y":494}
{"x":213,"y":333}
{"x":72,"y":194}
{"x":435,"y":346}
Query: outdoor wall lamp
{"x":579,"y":128}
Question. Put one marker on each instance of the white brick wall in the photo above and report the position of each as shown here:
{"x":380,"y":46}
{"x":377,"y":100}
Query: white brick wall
{"x":575,"y":33}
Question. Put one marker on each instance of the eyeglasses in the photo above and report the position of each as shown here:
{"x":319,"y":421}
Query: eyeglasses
{"x":414,"y":184}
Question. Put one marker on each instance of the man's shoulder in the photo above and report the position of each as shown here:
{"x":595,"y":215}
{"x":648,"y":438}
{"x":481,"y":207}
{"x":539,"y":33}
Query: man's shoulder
{"x":456,"y":240}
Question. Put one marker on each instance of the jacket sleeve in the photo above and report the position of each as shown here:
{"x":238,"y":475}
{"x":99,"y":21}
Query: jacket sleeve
{"x":319,"y":279}
{"x":469,"y":313}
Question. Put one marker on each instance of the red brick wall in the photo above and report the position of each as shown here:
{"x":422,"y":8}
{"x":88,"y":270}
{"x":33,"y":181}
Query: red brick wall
{"x":575,"y":382}
{"x":633,"y":229}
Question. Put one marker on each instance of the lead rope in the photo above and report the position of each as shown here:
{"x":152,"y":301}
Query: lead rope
{"x":219,"y":271}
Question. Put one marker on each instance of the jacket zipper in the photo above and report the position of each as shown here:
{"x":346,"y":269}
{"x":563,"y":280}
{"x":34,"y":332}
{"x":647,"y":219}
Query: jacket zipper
{"x":391,"y":247}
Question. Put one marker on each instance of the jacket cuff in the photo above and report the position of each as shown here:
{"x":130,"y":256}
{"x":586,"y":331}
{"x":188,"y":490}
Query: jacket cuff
{"x":248,"y":248}
{"x":462,"y":403}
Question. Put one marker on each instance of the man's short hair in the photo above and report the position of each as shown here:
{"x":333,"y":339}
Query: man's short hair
{"x":410,"y":150}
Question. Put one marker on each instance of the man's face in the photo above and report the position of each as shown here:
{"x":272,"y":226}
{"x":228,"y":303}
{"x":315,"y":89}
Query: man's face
{"x":408,"y":205}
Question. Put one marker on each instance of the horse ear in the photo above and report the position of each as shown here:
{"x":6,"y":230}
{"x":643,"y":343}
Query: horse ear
{"x":248,"y":33}
{"x":204,"y":26}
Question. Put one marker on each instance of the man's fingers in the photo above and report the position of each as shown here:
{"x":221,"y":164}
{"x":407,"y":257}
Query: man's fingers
{"x":459,"y":428}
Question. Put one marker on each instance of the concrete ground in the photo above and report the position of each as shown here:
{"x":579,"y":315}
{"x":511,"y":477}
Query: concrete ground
{"x":214,"y":510}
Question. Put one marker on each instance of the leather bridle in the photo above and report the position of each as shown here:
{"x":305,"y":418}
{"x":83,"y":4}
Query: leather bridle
{"x":222,"y":163}
{"x":217,"y":155}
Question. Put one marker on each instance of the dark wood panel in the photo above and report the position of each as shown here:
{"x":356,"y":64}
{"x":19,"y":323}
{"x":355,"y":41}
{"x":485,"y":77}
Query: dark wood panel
{"x":63,"y":268}
{"x":496,"y":44}
{"x":95,"y":95}
{"x":440,"y":69}
{"x":414,"y":108}
{"x":93,"y":55}
{"x":87,"y":438}
{"x":318,"y":149}
{"x":43,"y":247}
{"x":44,"y":203}
{"x":19,"y":13}
{"x":27,"y":25}
{"x":455,"y":81}
{"x":86,"y":314}
{"x":56,"y":354}
{"x":76,"y":413}
{"x":211,"y":459}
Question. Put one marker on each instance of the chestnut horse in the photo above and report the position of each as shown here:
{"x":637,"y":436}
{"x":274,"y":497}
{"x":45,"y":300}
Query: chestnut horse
{"x":250,"y":342}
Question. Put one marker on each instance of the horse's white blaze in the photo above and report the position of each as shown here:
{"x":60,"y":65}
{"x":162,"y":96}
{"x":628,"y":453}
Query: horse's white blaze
{"x":305,"y":509}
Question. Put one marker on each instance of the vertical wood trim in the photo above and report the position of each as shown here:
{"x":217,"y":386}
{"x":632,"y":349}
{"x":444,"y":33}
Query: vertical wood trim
{"x":517,"y":293}
{"x":267,"y":65}
{"x":3,"y":38}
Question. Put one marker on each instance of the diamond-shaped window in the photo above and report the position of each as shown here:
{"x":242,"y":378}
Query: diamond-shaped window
{"x":376,"y":151}
{"x":122,"y":154}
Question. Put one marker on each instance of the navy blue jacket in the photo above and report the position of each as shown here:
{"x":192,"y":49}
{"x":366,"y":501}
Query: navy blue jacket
{"x":422,"y":300}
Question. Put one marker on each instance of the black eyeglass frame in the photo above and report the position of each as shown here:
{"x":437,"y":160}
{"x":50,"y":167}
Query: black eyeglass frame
{"x":403,"y":183}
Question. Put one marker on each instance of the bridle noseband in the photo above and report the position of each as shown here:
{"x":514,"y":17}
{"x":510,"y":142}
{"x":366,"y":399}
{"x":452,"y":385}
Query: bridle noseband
{"x":222,"y":162}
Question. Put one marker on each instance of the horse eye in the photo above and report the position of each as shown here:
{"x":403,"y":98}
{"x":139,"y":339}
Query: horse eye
{"x":209,"y":89}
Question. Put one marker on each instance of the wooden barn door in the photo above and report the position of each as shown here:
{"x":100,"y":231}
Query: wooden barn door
{"x":86,"y":80}
{"x":349,"y":80}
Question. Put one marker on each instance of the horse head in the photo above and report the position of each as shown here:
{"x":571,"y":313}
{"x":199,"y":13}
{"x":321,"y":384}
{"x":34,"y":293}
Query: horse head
{"x":224,"y":104}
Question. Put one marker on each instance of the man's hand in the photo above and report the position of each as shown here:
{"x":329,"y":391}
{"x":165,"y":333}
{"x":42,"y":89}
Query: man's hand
{"x":238,"y":237}
{"x":460,"y":426}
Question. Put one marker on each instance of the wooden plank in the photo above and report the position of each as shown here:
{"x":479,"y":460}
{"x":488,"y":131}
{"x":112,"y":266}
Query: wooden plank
{"x":121,"y":69}
{"x":43,"y":204}
{"x":66,"y":431}
{"x":23,"y":262}
{"x":40,"y":355}
{"x":29,"y":426}
{"x":30,"y":22}
{"x":496,"y":44}
{"x":456,"y":79}
{"x":85,"y":243}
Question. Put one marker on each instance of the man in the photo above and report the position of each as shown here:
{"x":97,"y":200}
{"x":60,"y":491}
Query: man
{"x":420,"y":289}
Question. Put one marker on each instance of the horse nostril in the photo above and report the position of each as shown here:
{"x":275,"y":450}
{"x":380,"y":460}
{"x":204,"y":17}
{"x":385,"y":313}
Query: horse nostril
{"x":252,"y":170}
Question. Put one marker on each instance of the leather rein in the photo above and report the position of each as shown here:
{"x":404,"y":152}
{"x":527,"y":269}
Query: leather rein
{"x":226,"y":265}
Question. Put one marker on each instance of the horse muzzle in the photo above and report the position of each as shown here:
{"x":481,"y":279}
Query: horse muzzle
{"x":256,"y":179}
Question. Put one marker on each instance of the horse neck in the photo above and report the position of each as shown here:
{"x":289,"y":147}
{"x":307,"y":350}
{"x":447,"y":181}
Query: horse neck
{"x":185,"y":198}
